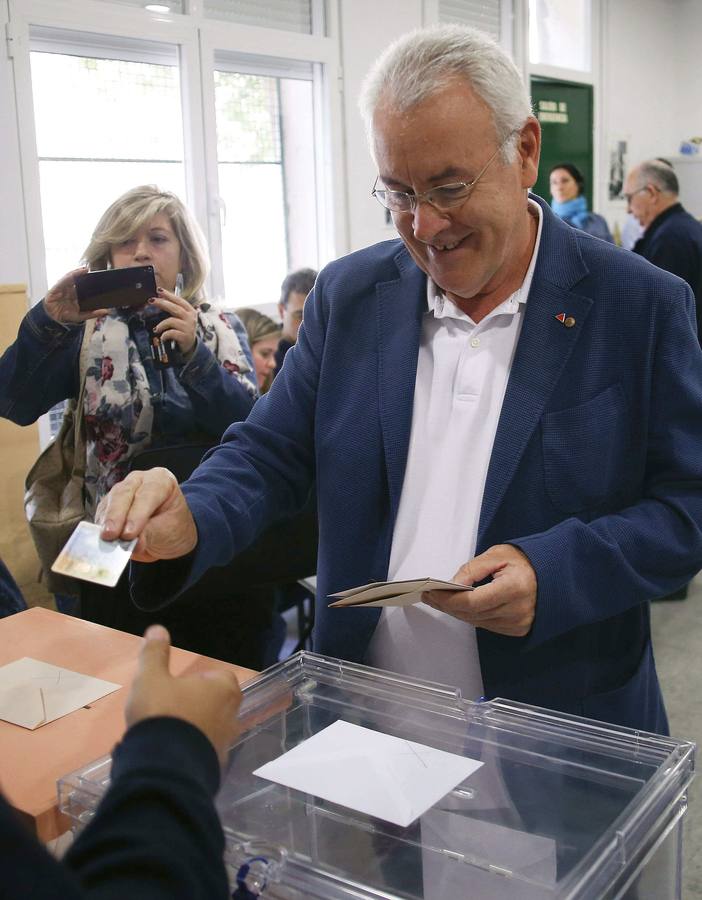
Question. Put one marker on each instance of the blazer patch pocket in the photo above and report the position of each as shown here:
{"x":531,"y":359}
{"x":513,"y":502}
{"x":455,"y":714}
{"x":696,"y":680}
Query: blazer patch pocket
{"x":585,"y":451}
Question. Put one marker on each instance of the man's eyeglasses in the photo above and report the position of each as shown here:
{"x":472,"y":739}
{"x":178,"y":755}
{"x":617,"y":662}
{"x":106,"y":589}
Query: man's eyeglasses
{"x":628,"y":197}
{"x":445,"y":196}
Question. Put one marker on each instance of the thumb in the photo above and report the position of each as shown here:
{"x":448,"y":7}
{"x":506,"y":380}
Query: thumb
{"x":155,"y":652}
{"x":477,"y":569}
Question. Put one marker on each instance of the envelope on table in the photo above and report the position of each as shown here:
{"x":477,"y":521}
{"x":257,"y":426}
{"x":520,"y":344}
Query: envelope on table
{"x":33,"y":693}
{"x":394,"y":593}
{"x":374,"y":773}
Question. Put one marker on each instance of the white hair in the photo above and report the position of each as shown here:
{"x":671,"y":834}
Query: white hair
{"x":425,"y":61}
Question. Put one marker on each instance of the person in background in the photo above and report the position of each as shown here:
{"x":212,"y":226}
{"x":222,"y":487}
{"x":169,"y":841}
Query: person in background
{"x":567,"y":187}
{"x":156,"y":834}
{"x":672,"y":238}
{"x":293,"y":292}
{"x":264,"y":338}
{"x":133,"y":403}
{"x":632,"y":230}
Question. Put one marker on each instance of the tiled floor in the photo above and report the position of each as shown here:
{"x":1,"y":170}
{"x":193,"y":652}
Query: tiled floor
{"x":677,"y":642}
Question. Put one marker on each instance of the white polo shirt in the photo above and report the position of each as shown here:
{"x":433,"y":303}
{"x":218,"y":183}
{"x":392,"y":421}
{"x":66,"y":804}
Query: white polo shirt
{"x":462,"y":374}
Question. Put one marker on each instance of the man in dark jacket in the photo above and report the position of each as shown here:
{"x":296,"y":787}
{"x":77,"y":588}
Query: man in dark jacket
{"x":673,"y":238}
{"x":293,"y":293}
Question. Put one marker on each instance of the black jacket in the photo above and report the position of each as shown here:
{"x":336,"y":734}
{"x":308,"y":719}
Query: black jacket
{"x":155,"y":835}
{"x":673,"y":241}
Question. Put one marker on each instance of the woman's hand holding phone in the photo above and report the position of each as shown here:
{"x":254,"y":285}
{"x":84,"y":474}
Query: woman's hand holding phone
{"x":181,"y":322}
{"x":61,"y":303}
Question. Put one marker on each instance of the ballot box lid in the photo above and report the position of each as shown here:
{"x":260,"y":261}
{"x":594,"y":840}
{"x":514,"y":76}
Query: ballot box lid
{"x":559,"y":807}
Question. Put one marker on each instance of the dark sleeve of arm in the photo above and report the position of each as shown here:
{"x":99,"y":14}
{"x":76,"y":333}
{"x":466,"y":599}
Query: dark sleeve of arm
{"x":653,"y":546}
{"x":219,"y":396}
{"x":262,"y":471}
{"x":40,"y":369}
{"x":156,"y":833}
{"x":28,"y":871}
{"x":678,"y":256}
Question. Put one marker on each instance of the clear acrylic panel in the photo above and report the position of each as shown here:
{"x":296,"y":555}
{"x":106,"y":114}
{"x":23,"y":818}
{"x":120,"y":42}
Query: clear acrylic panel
{"x":562,"y":808}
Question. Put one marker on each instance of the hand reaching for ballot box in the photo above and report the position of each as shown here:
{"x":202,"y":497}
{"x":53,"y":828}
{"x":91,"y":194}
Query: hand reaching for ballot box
{"x":151,"y":507}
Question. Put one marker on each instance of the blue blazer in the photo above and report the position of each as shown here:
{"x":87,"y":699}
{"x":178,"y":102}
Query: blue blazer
{"x":596,"y":469}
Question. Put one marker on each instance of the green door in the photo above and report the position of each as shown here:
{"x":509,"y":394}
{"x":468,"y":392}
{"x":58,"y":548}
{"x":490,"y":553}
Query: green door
{"x":564,"y":110}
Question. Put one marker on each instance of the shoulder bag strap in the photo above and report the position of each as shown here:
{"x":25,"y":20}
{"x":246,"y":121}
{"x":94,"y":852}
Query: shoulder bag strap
{"x":79,"y":460}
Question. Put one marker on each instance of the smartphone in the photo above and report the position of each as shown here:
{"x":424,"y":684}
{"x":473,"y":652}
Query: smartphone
{"x":105,"y":288}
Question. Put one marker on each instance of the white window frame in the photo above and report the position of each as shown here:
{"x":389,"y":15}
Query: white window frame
{"x":594,"y":77}
{"x":196,"y":38}
{"x":320,"y":51}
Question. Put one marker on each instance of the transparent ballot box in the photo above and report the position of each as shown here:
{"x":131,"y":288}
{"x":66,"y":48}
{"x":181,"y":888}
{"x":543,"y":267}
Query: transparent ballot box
{"x":560,"y":807}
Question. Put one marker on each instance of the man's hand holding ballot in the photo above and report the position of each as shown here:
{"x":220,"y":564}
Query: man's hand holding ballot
{"x":505,"y":605}
{"x":149,"y":506}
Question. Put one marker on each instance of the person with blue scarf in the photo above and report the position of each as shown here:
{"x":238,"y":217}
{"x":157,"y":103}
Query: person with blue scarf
{"x":568,"y":201}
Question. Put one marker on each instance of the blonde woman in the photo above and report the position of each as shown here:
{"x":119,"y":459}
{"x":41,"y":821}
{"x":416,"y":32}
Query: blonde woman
{"x":131,"y":401}
{"x":264,"y":336}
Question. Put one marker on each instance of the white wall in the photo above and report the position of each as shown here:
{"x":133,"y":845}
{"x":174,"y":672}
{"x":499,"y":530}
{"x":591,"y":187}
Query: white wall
{"x":687,"y":93}
{"x":642,"y":56}
{"x":366,"y":28}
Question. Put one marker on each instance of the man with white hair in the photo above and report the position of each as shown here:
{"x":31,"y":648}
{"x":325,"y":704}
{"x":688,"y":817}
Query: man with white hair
{"x":672,"y":238}
{"x":496,"y":398}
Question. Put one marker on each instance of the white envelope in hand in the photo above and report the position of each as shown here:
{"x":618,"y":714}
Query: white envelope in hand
{"x":374,"y":773}
{"x":394,"y":593}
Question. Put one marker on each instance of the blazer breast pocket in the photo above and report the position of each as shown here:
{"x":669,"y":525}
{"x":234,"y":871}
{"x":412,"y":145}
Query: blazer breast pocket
{"x":586,"y":451}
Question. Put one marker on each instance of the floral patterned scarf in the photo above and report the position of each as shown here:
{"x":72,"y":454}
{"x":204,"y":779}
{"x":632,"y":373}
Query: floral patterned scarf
{"x":118,"y":409}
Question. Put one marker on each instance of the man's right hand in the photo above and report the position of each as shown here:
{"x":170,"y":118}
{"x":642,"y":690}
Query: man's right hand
{"x":149,"y":506}
{"x":61,"y":303}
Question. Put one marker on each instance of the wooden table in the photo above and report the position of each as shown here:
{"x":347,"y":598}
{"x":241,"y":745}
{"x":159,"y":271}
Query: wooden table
{"x":32,"y":761}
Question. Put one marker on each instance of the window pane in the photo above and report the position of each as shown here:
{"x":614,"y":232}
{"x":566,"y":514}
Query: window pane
{"x":103,"y":126}
{"x":559,"y":33}
{"x":482,"y":14}
{"x":289,"y":15}
{"x":265,"y":167}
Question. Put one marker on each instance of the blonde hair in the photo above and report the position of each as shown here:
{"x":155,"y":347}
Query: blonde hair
{"x":132,"y":211}
{"x":258,"y":327}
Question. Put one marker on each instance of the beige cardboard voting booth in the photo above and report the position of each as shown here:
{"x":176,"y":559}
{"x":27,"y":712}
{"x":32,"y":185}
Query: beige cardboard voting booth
{"x":19,"y":448}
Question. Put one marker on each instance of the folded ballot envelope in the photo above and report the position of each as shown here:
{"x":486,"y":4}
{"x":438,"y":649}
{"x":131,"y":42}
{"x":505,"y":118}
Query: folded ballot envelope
{"x":394,"y":593}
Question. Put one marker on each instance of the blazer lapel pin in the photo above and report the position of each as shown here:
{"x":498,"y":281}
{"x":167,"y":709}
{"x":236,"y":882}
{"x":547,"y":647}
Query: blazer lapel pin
{"x":568,"y":321}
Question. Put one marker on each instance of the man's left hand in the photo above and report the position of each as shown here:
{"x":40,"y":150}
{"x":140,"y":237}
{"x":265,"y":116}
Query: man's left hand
{"x":506,"y":605}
